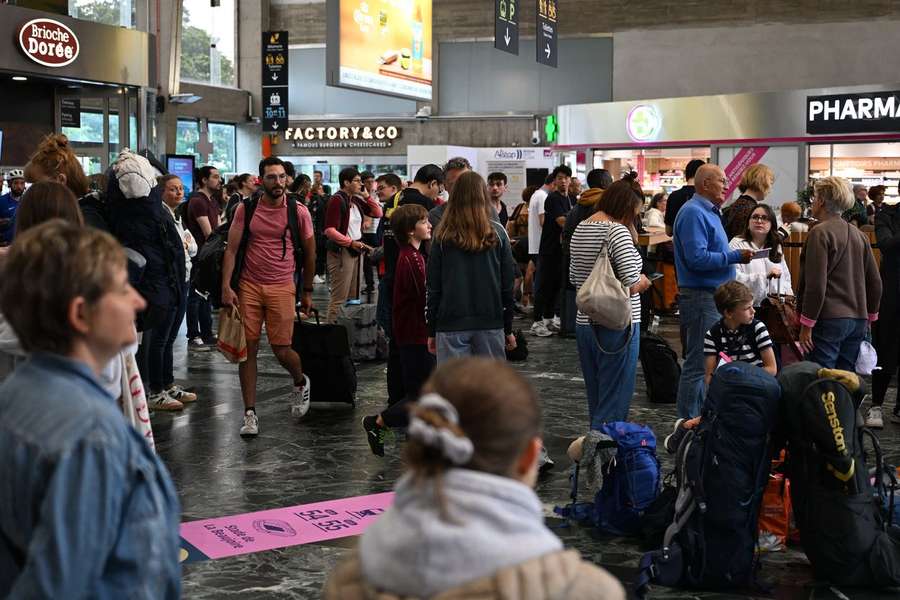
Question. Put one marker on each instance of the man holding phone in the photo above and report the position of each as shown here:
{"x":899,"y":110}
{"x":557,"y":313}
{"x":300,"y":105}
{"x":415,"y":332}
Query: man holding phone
{"x":343,"y":230}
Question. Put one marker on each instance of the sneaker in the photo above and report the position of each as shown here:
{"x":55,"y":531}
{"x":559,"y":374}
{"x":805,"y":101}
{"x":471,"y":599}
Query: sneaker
{"x":251,"y":424}
{"x":318,"y":280}
{"x":556,"y":324}
{"x":673,"y":440}
{"x":540,"y":330}
{"x":875,"y":418}
{"x":163,"y":402}
{"x":300,"y":400}
{"x":374,"y":435}
{"x":545,"y":463}
{"x":211,"y":341}
{"x":197,"y":344}
{"x":182,"y":395}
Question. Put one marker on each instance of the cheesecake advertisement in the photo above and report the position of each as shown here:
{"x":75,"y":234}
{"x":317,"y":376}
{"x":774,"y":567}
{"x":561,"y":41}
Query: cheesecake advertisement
{"x":384,"y":46}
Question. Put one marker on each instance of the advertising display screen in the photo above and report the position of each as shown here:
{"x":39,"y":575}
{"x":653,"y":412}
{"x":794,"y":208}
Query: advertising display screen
{"x":183,"y":166}
{"x":381,"y":46}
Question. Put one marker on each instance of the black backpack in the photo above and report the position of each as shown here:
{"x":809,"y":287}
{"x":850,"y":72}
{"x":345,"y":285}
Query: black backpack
{"x":721,"y":469}
{"x":206,"y":275}
{"x":845,"y":530}
{"x":661,"y":370}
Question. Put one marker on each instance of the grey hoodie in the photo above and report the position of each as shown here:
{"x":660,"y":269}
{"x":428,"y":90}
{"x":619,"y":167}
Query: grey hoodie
{"x":494,"y":522}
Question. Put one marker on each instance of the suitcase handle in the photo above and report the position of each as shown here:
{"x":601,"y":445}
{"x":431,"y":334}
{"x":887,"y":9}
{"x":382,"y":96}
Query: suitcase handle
{"x":312,"y":311}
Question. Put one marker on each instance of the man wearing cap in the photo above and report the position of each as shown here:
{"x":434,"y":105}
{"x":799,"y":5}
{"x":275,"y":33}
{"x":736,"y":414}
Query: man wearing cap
{"x":9,"y":203}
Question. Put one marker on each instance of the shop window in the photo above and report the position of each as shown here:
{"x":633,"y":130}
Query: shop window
{"x":221,"y":136}
{"x":865,"y":164}
{"x":91,"y":130}
{"x":187,"y":135}
{"x":119,"y":13}
{"x":208,"y":42}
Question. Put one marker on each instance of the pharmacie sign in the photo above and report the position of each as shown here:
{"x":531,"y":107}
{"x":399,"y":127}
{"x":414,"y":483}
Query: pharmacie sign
{"x":342,"y":136}
{"x":48,"y":42}
{"x":853,"y":113}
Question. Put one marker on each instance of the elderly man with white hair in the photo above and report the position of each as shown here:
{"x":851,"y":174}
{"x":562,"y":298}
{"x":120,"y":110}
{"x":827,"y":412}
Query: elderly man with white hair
{"x":840,"y":288}
{"x":703,"y":262}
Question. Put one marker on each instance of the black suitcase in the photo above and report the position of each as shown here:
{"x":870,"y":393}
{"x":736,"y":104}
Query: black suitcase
{"x":661,"y":370}
{"x":324,"y":351}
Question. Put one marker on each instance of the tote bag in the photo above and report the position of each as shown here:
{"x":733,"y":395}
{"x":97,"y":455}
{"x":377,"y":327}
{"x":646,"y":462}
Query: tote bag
{"x":602,"y":297}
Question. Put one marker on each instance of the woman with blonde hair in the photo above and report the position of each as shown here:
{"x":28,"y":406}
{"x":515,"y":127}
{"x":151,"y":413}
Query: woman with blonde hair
{"x":465,"y":522}
{"x":755,"y":185}
{"x":470,"y":278}
{"x":840,"y":287}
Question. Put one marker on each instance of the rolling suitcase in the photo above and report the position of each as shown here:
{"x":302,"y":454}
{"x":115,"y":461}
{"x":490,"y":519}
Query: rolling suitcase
{"x":362,"y":330}
{"x":325,"y":354}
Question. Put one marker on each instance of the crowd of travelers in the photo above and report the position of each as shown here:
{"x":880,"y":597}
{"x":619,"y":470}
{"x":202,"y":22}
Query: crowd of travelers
{"x":97,"y":284}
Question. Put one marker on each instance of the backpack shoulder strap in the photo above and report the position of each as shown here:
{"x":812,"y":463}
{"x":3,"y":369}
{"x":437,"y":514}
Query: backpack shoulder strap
{"x":293,"y":223}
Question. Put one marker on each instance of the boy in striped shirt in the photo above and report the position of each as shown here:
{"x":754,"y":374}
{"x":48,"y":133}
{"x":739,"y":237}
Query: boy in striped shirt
{"x":737,"y":336}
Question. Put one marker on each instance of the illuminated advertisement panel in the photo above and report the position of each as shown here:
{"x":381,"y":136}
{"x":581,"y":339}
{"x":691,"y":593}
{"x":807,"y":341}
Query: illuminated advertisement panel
{"x":381,"y":46}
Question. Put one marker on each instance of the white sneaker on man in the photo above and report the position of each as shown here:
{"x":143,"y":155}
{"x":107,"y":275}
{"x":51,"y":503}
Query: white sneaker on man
{"x":318,"y":279}
{"x":300,"y":399}
{"x":163,"y":402}
{"x":875,"y":418}
{"x":539,"y":328}
{"x":251,"y":424}
{"x":182,"y":395}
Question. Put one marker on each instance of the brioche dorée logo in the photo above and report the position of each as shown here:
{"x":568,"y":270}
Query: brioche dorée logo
{"x":48,"y":42}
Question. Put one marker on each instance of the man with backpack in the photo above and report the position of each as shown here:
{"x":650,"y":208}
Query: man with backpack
{"x":269,"y":234}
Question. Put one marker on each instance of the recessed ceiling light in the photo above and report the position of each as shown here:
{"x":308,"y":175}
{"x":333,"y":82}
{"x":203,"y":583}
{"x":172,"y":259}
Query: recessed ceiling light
{"x":19,"y":78}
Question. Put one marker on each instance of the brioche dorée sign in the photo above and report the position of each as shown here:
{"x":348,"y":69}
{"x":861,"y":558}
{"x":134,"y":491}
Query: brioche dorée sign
{"x":48,"y":42}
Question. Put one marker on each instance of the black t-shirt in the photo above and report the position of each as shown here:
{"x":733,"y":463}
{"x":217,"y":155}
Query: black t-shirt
{"x":557,"y":205}
{"x":676,"y":201}
{"x":503,"y":215}
{"x":391,"y":250}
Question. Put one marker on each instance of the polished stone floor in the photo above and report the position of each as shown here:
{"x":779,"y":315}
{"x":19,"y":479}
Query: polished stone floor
{"x":325,"y":456}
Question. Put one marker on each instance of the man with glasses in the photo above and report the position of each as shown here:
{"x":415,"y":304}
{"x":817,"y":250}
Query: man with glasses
{"x":343,"y":228}
{"x":267,"y":283}
{"x":703,"y":261}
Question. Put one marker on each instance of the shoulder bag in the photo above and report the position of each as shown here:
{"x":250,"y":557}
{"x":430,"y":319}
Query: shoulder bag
{"x":602,"y":297}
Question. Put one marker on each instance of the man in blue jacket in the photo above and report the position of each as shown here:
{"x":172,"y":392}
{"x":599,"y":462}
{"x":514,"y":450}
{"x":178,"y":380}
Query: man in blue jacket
{"x":9,"y":203}
{"x":703,"y":262}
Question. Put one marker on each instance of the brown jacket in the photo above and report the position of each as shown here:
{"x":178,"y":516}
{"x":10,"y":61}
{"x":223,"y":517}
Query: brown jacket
{"x":838,"y":275}
{"x":557,"y":576}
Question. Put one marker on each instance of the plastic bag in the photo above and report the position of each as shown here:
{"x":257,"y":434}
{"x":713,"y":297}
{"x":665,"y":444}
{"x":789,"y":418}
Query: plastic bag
{"x":232,"y":341}
{"x":867,"y":359}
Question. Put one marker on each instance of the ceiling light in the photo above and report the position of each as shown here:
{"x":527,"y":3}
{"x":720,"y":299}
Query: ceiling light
{"x":19,"y":78}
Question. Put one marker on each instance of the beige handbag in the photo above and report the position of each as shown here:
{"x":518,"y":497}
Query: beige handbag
{"x":602,"y":297}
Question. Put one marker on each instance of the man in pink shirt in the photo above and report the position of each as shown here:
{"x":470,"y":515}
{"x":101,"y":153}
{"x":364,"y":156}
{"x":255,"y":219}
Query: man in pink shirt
{"x":267,"y":289}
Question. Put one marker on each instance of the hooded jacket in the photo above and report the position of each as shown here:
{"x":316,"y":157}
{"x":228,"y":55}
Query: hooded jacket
{"x":491,"y":544}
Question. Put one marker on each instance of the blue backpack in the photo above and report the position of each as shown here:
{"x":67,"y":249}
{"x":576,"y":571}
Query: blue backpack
{"x":631,"y":482}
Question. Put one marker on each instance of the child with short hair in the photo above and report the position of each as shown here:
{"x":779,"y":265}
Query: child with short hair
{"x":411,"y":227}
{"x":737,"y":336}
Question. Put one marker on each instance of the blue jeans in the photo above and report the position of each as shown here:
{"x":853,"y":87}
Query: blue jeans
{"x":698,"y":315}
{"x":479,"y":342}
{"x":609,"y":365}
{"x":836,"y":343}
{"x":199,"y":316}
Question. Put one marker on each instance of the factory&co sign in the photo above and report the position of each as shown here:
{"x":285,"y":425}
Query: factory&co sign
{"x":48,"y":42}
{"x":344,"y":136}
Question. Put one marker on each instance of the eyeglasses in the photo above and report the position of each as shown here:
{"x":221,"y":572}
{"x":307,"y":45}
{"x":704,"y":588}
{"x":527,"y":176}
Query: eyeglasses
{"x":764,"y":218}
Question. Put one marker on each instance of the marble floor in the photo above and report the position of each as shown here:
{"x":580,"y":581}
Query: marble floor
{"x":325,"y":456}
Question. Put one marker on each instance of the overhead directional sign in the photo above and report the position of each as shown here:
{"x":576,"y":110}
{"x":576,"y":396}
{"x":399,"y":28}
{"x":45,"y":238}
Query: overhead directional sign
{"x":547,"y":19}
{"x":275,"y":80}
{"x":506,"y":25}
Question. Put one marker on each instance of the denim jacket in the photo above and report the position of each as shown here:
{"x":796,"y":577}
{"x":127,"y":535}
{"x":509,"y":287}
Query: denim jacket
{"x":86,"y":509}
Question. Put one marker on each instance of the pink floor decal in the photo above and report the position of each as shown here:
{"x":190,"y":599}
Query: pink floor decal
{"x":281,"y":527}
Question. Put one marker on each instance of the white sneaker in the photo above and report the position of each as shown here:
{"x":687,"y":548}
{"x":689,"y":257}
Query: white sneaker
{"x":540,"y":330}
{"x":177,"y":392}
{"x":251,"y":424}
{"x":557,"y":324}
{"x":197,"y":344}
{"x":300,"y":400}
{"x":875,"y":418}
{"x":163,"y":402}
{"x":318,"y":279}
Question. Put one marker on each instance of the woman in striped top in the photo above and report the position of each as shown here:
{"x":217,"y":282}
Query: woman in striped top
{"x":608,"y":357}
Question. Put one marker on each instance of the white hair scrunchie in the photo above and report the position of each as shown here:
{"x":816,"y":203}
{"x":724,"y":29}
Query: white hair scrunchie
{"x":456,"y":449}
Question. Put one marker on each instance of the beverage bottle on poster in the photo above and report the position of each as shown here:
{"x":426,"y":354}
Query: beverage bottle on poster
{"x":418,"y":40}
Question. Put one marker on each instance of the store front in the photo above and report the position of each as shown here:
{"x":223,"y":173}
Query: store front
{"x":84,"y":79}
{"x":803,"y":134}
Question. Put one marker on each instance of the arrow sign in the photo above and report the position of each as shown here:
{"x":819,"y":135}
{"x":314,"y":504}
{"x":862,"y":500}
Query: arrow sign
{"x":274,"y":90}
{"x":547,"y":31}
{"x":506,"y":25}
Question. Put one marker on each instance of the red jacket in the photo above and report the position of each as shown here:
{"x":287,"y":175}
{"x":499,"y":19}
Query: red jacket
{"x":409,"y":298}
{"x":337,"y":215}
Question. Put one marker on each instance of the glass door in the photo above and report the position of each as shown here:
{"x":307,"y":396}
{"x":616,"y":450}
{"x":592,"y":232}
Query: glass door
{"x":99,"y":122}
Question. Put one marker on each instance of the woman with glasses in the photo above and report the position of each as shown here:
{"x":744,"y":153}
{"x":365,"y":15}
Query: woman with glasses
{"x":763,"y":274}
{"x":755,"y":185}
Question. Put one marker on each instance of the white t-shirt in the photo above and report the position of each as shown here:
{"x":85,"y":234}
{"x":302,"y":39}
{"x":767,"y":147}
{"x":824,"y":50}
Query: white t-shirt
{"x":535,"y":210}
{"x":354,"y":228}
{"x":754,"y":274}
